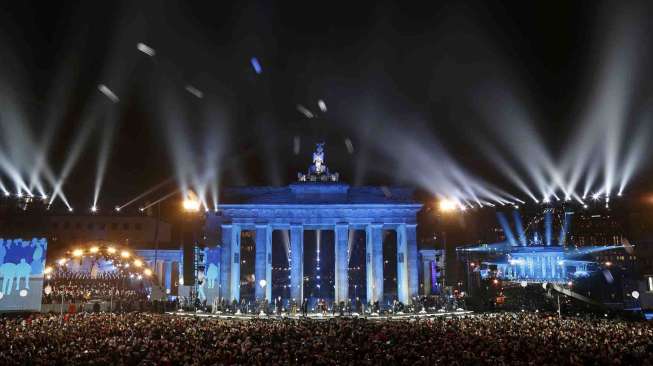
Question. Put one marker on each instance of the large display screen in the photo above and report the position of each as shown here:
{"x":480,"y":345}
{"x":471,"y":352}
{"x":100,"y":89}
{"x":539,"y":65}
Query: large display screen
{"x":210,"y":277}
{"x":21,"y":273}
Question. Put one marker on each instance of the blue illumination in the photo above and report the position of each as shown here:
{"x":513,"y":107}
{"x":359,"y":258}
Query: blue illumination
{"x":537,"y":260}
{"x":256,"y":65}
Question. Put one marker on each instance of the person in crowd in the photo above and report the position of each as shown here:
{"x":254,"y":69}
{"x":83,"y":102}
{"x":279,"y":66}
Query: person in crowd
{"x":305,"y":307}
{"x":160,"y":339}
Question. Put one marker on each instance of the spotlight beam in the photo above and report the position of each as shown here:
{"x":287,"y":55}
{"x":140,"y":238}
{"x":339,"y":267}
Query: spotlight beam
{"x":73,"y":155}
{"x":634,"y":156}
{"x":103,"y":157}
{"x":4,"y":189}
{"x":147,"y":192}
{"x":161,"y":199}
{"x":14,"y":174}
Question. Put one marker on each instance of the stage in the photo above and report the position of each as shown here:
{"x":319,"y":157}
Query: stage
{"x":318,"y":316}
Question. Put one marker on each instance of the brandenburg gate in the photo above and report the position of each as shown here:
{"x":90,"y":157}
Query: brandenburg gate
{"x":318,"y":201}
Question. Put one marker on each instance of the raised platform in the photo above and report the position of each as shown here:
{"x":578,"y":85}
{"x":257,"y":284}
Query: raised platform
{"x":318,"y":316}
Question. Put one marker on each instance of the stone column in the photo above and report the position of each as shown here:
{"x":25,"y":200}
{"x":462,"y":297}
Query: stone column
{"x":374,"y":262}
{"x":411,"y":249}
{"x":160,"y":272}
{"x":402,"y":265}
{"x":225,"y":262}
{"x":342,"y":263}
{"x":235,"y":263}
{"x":426,"y":267}
{"x":263,"y":262}
{"x":168,"y":275}
{"x":297,"y":263}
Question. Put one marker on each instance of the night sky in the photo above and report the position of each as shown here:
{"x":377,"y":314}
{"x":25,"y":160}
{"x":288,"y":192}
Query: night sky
{"x":417,"y":69}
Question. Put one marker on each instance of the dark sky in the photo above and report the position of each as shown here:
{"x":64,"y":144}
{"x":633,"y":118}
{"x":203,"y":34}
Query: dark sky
{"x":384,"y":62}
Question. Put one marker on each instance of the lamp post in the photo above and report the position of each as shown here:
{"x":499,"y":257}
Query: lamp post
{"x":190,"y":205}
{"x":446,"y":207}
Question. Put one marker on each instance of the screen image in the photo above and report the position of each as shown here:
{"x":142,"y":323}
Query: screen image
{"x":21,"y":273}
{"x":210,"y":277}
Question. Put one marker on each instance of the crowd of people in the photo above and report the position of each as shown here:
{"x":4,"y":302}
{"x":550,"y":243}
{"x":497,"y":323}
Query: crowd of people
{"x":78,"y":287}
{"x":156,"y":339}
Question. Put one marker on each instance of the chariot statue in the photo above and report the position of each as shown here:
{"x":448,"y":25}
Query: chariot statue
{"x":318,"y":171}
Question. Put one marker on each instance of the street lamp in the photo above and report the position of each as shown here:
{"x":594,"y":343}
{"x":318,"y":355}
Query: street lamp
{"x":446,"y":205}
{"x":191,"y":203}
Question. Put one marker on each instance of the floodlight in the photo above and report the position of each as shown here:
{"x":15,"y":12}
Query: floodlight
{"x":446,"y":205}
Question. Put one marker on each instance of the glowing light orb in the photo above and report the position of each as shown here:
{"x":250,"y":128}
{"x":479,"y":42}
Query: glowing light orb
{"x":191,"y":205}
{"x":263,"y":283}
{"x":78,"y":253}
{"x":635,"y":294}
{"x":446,"y":205}
{"x":524,"y":283}
{"x":111,"y":250}
{"x":94,"y":249}
{"x":23,"y":293}
{"x":125,"y":254}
